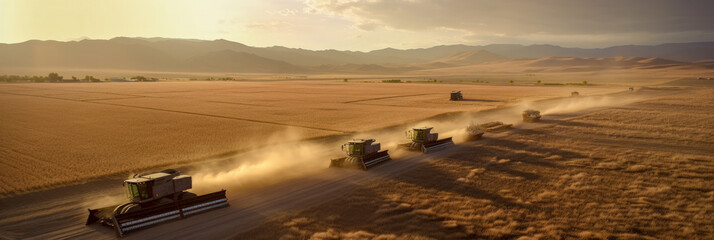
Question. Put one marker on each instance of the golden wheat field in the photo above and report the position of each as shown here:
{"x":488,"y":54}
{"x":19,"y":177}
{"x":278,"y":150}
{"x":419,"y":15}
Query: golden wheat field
{"x":56,"y":134}
{"x":639,"y":171}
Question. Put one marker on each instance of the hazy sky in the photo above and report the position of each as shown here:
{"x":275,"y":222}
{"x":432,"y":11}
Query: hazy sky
{"x":364,"y":24}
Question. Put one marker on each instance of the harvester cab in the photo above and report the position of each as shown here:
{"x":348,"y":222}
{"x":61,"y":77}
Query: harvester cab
{"x":155,"y":198}
{"x":456,"y":95}
{"x":425,"y":141}
{"x":531,"y":116}
{"x":361,"y":154}
{"x":150,"y":187}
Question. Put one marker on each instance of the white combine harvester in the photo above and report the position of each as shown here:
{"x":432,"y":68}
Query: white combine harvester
{"x":155,"y":198}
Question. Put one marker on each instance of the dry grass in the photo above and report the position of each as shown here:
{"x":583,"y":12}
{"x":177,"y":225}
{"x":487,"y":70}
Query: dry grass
{"x":623,"y":173}
{"x":55,"y":134}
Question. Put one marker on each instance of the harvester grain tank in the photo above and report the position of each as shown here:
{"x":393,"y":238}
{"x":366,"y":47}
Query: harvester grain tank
{"x":531,"y":116}
{"x":425,"y":141}
{"x":155,"y":198}
{"x":456,"y":96}
{"x":361,"y":154}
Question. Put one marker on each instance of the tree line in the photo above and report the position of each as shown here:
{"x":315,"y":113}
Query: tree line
{"x":56,"y":78}
{"x":51,"y":77}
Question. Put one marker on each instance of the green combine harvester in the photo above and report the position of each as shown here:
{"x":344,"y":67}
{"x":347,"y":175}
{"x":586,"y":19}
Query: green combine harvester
{"x":425,"y":141}
{"x":361,"y":154}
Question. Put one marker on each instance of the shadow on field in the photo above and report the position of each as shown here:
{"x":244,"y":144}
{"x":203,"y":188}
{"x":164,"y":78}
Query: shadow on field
{"x":363,"y":210}
{"x":477,"y":157}
{"x":443,"y":181}
{"x":527,"y":153}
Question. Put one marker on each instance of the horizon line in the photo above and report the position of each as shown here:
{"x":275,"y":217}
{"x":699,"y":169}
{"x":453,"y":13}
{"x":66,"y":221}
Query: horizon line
{"x":332,"y":49}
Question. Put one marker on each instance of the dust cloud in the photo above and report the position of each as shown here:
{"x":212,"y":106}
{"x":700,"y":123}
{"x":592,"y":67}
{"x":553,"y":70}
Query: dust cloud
{"x":284,"y":159}
{"x":281,"y":160}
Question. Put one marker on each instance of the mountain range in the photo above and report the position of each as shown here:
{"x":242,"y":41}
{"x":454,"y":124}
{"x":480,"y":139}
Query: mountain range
{"x":190,"y":55}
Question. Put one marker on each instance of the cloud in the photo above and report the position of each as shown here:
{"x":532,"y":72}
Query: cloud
{"x":269,"y":25}
{"x":368,"y":26}
{"x":283,"y":12}
{"x":524,"y":17}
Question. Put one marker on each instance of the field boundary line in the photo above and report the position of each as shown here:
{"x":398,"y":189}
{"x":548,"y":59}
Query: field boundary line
{"x":220,"y":116}
{"x":183,"y":112}
{"x":398,"y":96}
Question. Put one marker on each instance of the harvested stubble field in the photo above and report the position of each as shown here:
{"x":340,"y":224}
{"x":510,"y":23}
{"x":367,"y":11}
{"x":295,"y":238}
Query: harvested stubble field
{"x":641,"y":171}
{"x":55,"y":134}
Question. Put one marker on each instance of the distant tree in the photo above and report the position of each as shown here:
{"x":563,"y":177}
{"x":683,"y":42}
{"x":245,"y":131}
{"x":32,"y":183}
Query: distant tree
{"x":39,"y":79}
{"x":538,"y":82}
{"x":54,"y":77}
{"x":139,"y":78}
{"x":344,"y":80}
{"x":585,"y":82}
{"x":511,"y":82}
{"x":90,"y":79}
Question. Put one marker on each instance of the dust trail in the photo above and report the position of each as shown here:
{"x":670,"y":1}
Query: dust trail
{"x":283,"y":159}
{"x":576,"y":104}
{"x":456,"y":126}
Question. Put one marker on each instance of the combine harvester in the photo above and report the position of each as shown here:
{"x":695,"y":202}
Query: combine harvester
{"x":456,"y":96}
{"x":424,"y":141}
{"x":474,"y":132}
{"x":361,"y":154}
{"x":531,"y":116}
{"x":155,"y":198}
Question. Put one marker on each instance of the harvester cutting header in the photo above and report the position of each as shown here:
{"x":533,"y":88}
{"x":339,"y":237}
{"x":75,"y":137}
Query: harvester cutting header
{"x":155,"y":198}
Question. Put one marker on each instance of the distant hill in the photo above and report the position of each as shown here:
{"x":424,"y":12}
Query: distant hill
{"x":231,"y":61}
{"x":165,"y":54}
{"x":610,"y":62}
{"x":470,"y":58}
{"x":597,"y":64}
